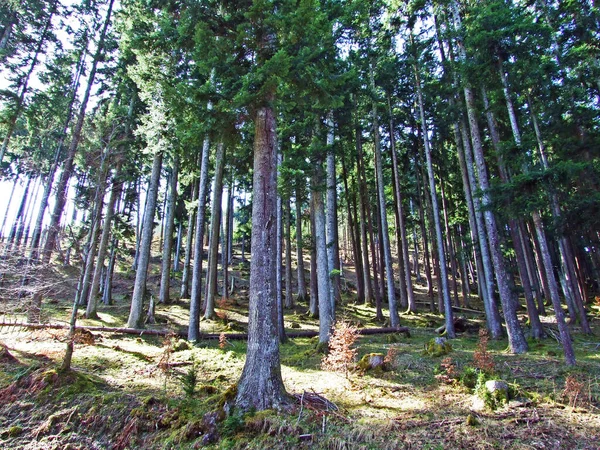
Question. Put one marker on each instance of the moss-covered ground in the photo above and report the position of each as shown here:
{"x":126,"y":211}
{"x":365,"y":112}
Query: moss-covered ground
{"x":146,"y":392}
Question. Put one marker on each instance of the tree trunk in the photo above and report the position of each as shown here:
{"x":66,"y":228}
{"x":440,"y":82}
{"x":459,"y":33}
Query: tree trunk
{"x":165,"y":275}
{"x":110,"y":270}
{"x":362,"y":196}
{"x":63,"y":182}
{"x":195,"y":300}
{"x":313,"y":306}
{"x":326,"y":313}
{"x":261,"y":386}
{"x":354,"y":231}
{"x":289,"y":298}
{"x":24,"y":84}
{"x":215,"y":228}
{"x":278,"y":259}
{"x":403,"y":254}
{"x":301,"y":297}
{"x":115,"y":193}
{"x":135,"y":319}
{"x":449,"y":318}
{"x":185,"y":275}
{"x":333,"y":253}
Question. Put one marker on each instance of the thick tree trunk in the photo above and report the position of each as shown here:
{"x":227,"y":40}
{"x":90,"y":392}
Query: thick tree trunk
{"x":261,"y":386}
{"x":165,"y":275}
{"x":135,"y":319}
{"x":195,"y":300}
{"x":215,"y":228}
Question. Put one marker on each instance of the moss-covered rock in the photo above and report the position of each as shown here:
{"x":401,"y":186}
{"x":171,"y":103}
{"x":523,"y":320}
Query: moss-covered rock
{"x":371,"y":361}
{"x":437,"y":347}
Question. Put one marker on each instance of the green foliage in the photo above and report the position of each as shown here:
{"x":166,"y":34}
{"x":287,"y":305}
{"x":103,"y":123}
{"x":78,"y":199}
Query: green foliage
{"x":189,"y":380}
{"x":469,"y":377}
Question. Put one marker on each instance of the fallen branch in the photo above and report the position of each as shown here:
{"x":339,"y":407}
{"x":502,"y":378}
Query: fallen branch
{"x":203,"y":336}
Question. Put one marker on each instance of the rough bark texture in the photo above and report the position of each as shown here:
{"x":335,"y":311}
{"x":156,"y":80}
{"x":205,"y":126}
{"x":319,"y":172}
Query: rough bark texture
{"x":135,"y":319}
{"x":436,"y":217}
{"x":261,"y":386}
{"x":215,"y":228}
{"x":65,"y":176}
{"x":165,"y":275}
{"x":195,"y":301}
{"x":299,"y":247}
{"x":323,"y":280}
{"x":331,"y":214}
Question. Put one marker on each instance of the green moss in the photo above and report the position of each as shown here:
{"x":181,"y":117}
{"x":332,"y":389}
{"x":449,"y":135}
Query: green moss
{"x":433,"y":348}
{"x":13,"y":431}
{"x":228,"y":396}
{"x":365,"y":362}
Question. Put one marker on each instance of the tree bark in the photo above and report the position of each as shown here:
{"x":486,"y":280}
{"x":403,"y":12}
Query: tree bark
{"x":333,"y":253}
{"x":63,"y":182}
{"x":135,"y":319}
{"x":195,"y":300}
{"x":326,"y":314}
{"x":261,"y":386}
{"x":165,"y":275}
{"x":215,"y":228}
{"x":301,"y":297}
{"x":92,"y":303}
{"x":449,"y":317}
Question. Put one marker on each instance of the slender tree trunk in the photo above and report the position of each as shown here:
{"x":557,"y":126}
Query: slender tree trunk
{"x":536,"y":327}
{"x":165,"y":275}
{"x":289,"y":298}
{"x":135,"y":319}
{"x":110,"y":270}
{"x":18,"y":217}
{"x":9,"y":203}
{"x":326,"y":314}
{"x":403,"y":254}
{"x":261,"y":386}
{"x":25,"y":82}
{"x":354,"y":231}
{"x":63,"y":182}
{"x":362,"y":196}
{"x":313,"y":306}
{"x":177,"y":258}
{"x":227,"y":252}
{"x":215,"y":227}
{"x":333,"y":253}
{"x":185,"y":276}
{"x":301,"y":297}
{"x":195,"y":300}
{"x":115,"y":193}
{"x":564,"y":246}
{"x":449,"y":319}
{"x":387,"y":253}
{"x":278,"y":259}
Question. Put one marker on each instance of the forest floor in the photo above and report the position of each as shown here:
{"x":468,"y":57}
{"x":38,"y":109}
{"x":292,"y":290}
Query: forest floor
{"x":128,"y":391}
